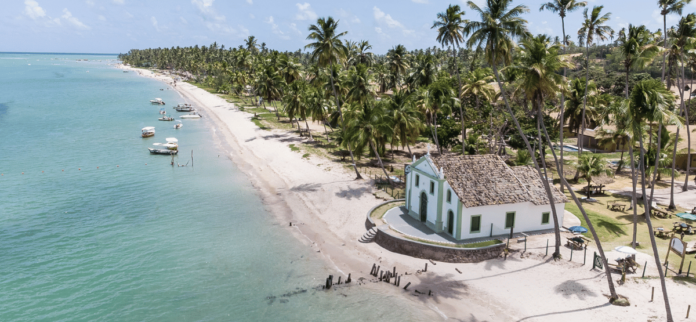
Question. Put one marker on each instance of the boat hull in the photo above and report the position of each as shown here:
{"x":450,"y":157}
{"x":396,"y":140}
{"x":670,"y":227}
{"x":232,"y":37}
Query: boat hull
{"x":166,"y":119}
{"x":163,"y":151}
{"x":147,"y":135}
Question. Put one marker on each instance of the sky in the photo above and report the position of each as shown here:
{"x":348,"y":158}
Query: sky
{"x":116,"y":26}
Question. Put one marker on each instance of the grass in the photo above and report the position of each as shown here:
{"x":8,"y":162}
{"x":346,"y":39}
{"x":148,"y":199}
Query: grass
{"x":615,"y":228}
{"x":306,"y":155}
{"x":379,"y":212}
{"x":294,"y":148}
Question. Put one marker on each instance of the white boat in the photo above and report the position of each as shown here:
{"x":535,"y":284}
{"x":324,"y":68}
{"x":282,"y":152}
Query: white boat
{"x":172,"y":144}
{"x":178,"y":125}
{"x":162,"y":151}
{"x":193,"y":115}
{"x":166,"y":118}
{"x":157,"y":101}
{"x":148,"y":131}
{"x":162,"y":111}
{"x":184,"y":108}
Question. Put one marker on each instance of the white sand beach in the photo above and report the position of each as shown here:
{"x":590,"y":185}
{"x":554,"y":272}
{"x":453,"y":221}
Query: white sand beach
{"x":328,"y":208}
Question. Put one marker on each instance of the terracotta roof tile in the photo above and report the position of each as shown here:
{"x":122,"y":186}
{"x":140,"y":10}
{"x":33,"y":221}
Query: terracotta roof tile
{"x":482,"y":180}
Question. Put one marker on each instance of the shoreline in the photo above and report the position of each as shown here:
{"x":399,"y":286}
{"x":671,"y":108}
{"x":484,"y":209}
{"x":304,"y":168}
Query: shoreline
{"x":327,"y":208}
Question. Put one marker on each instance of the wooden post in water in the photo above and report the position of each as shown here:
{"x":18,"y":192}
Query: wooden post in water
{"x":426,"y":267}
{"x":348,"y":279}
{"x":407,"y":285}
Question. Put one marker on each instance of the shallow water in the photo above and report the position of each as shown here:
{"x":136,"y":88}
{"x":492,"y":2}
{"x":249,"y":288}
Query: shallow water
{"x":98,"y":229}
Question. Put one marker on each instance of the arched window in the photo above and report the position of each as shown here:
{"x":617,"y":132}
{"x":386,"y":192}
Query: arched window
{"x":449,"y":195}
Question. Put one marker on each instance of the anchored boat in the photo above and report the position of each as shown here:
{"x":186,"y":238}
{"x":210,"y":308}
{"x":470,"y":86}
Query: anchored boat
{"x":148,"y":131}
{"x":171,"y":147}
{"x":166,"y":118}
{"x":193,"y":115}
{"x":184,"y":108}
{"x":157,"y":101}
{"x":178,"y":125}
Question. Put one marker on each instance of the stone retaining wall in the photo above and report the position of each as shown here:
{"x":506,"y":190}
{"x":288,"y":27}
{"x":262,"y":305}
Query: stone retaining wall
{"x":413,"y":248}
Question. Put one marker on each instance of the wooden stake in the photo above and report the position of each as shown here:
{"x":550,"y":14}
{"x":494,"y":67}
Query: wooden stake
{"x":426,"y":267}
{"x":407,"y":285}
{"x":687,"y":311}
{"x":348,"y":280}
{"x":652,"y":297}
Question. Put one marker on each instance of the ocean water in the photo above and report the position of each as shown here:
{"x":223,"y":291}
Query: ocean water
{"x":94,"y":228}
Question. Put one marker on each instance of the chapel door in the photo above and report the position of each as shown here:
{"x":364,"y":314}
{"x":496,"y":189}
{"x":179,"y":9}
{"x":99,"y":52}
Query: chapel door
{"x":423,"y":207}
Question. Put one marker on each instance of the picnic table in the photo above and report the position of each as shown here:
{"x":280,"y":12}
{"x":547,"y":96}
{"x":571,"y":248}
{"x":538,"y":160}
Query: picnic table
{"x":594,"y":189}
{"x":656,"y":212}
{"x":616,"y":206}
{"x":577,"y":242}
{"x":628,"y":264}
{"x":660,"y":232}
{"x":680,"y":227}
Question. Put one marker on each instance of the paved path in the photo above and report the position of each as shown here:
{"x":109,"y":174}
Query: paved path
{"x":399,"y":220}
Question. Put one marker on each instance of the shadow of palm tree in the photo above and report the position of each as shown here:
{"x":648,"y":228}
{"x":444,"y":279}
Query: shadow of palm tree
{"x":351,"y":193}
{"x":611,"y":227}
{"x":571,"y":287}
{"x":447,"y":286}
{"x":307,"y":187}
{"x":492,"y":263}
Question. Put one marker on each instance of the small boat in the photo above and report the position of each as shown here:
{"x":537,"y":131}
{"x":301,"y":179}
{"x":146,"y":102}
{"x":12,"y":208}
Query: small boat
{"x":172,"y":144}
{"x":184,"y":108}
{"x":157,"y":101}
{"x":163,"y":151}
{"x":148,"y":131}
{"x":166,"y":118}
{"x":162,"y":111}
{"x":193,"y":115}
{"x":178,"y":125}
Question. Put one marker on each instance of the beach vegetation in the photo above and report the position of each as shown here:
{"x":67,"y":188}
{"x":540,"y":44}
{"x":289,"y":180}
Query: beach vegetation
{"x":490,"y":87}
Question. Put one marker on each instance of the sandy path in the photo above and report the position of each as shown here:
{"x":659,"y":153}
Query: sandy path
{"x":329,"y":207}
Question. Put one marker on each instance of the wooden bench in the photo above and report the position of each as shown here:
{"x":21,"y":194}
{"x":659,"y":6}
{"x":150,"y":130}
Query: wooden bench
{"x":577,"y":242}
{"x":616,"y":206}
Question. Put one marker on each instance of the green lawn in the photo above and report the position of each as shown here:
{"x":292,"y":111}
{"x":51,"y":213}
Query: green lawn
{"x":615,"y":228}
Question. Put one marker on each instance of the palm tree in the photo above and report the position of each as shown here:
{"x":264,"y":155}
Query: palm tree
{"x":327,"y":49}
{"x":405,"y":118}
{"x":251,"y":44}
{"x":667,"y":7}
{"x":536,"y":68}
{"x":442,"y":99}
{"x":618,"y":115}
{"x":636,"y":49}
{"x":593,"y":26}
{"x":368,"y":124}
{"x":495,"y":32}
{"x":449,"y":26}
{"x":684,"y":36}
{"x":398,"y":63}
{"x":592,"y":165}
{"x":478,"y":84}
{"x":359,"y":84}
{"x":649,"y":99}
{"x":563,"y":7}
{"x":295,"y":101}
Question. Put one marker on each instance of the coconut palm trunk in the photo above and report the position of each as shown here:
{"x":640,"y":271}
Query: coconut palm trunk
{"x":688,"y":137}
{"x":542,"y":154}
{"x":560,"y":133}
{"x":657,"y":162}
{"x":308,"y":132}
{"x":374,"y":150}
{"x":633,"y":196}
{"x":343,"y":126}
{"x":646,"y":205}
{"x":531,"y":152}
{"x":459,"y":95}
{"x":581,"y":139}
{"x":607,"y":270}
{"x":672,"y":206}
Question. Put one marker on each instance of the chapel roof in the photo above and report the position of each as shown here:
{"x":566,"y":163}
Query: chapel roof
{"x":484,"y":180}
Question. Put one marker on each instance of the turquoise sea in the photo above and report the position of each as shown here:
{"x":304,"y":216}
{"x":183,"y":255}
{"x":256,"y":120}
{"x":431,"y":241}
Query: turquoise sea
{"x":94,"y":228}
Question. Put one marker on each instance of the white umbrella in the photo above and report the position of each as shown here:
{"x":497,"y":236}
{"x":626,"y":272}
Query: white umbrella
{"x":626,"y":250}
